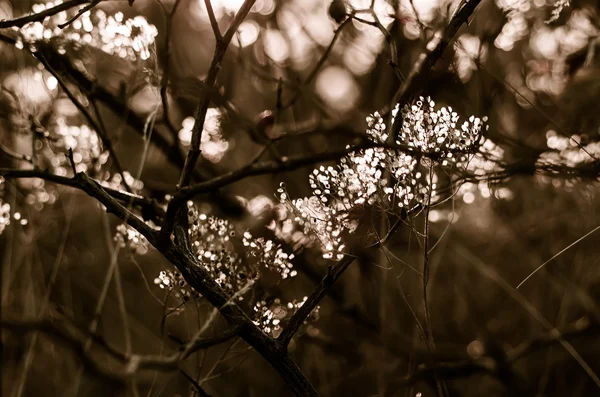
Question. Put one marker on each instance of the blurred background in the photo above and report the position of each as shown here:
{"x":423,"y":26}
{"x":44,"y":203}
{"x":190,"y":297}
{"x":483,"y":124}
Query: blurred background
{"x":530,"y":66}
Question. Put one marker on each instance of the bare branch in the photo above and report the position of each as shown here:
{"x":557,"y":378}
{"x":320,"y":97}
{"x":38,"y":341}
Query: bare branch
{"x":15,"y":155}
{"x":333,"y":273}
{"x":106,"y":196}
{"x":433,"y":52}
{"x":197,"y":276}
{"x":132,"y":363}
{"x":213,"y":20}
{"x":201,"y":392}
{"x":210,"y":81}
{"x":95,"y":126}
{"x":164,"y":81}
{"x":80,"y":13}
{"x":40,"y":16}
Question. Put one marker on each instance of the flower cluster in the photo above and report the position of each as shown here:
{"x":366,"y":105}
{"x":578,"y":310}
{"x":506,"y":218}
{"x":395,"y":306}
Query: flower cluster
{"x":126,"y":236}
{"x":432,"y":131}
{"x":118,"y":181}
{"x":559,"y":6}
{"x":568,"y":151}
{"x":273,"y":317}
{"x":5,"y":212}
{"x":111,"y":34}
{"x":212,"y":144}
{"x":384,"y":177}
{"x":318,"y":219}
{"x":469,"y":50}
{"x":215,"y":243}
{"x":4,"y":215}
{"x":173,"y":281}
{"x":269,"y":255}
{"x":212,"y":242}
{"x":85,"y":144}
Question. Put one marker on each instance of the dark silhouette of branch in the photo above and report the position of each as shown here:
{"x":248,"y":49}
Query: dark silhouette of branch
{"x":17,"y":156}
{"x":434,"y":50}
{"x":197,"y":276}
{"x":494,"y":363}
{"x":40,"y":16}
{"x":77,"y":339}
{"x":167,"y":65}
{"x":201,"y":392}
{"x":210,"y":81}
{"x":333,"y":274}
{"x":82,"y":11}
{"x":147,"y":205}
{"x":213,"y":20}
{"x":95,"y":126}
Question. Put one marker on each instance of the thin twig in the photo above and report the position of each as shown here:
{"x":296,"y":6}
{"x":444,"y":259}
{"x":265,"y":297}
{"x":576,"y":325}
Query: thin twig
{"x":95,"y":126}
{"x":315,"y":70}
{"x":558,"y":254}
{"x":333,"y":274}
{"x":80,"y":13}
{"x":72,"y":161}
{"x":166,"y":69}
{"x":213,"y":20}
{"x":211,"y":79}
{"x":15,"y":155}
{"x":146,"y":204}
{"x":201,"y":392}
{"x":434,"y":51}
{"x":40,"y":16}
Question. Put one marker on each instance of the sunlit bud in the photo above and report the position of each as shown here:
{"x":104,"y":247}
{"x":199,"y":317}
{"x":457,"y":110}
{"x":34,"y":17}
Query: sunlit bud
{"x":264,"y":123}
{"x":337,"y":10}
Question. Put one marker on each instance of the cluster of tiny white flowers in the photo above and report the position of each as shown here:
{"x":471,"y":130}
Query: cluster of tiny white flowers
{"x":286,"y":229}
{"x":117,"y":181}
{"x":214,"y":242}
{"x":212,"y":144}
{"x":319,"y":220}
{"x":4,"y":215}
{"x":568,"y":151}
{"x":174,"y":282}
{"x":272,"y":318}
{"x":5,"y":212}
{"x":269,"y":255}
{"x":88,"y":152}
{"x":384,"y":177}
{"x":488,"y":159}
{"x":559,"y":6}
{"x":110,"y":33}
{"x":126,"y":236}
{"x":432,"y":131}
